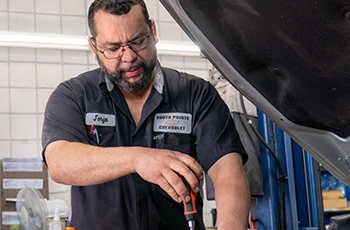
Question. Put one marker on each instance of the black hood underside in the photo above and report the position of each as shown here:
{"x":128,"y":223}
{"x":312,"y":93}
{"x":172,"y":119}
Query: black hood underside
{"x":291,"y":58}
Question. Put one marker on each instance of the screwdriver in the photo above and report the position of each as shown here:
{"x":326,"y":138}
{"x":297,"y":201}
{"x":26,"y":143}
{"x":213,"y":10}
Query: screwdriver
{"x":68,"y":225}
{"x":190,"y":211}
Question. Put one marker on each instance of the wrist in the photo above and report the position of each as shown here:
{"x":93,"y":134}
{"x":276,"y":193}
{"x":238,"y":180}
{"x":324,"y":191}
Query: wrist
{"x":134,"y":158}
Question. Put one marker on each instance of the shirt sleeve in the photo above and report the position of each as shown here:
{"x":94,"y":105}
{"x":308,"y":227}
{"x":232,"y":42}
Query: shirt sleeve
{"x":214,"y":128}
{"x":64,"y":117}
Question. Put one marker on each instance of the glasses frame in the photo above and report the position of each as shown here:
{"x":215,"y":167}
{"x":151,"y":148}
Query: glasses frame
{"x":123,"y":47}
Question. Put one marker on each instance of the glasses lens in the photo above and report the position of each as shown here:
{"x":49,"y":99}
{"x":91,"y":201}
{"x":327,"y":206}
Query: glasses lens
{"x":136,"y":45}
{"x":139,"y":43}
{"x":114,"y":52}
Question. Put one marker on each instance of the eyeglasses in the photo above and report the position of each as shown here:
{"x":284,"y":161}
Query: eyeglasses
{"x":118,"y":51}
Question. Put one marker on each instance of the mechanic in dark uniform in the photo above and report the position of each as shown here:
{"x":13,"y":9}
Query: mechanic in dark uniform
{"x":123,"y":135}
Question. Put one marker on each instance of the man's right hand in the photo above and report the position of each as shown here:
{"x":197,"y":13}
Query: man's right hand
{"x":165,"y":168}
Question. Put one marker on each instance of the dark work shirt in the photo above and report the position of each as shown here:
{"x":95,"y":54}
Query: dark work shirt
{"x":182,"y":113}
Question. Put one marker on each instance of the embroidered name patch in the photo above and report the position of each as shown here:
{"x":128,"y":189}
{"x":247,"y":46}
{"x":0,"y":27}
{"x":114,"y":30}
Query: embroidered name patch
{"x":100,"y":119}
{"x":172,"y":122}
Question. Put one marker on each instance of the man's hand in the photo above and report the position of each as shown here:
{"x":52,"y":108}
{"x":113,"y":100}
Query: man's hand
{"x":166,"y":167}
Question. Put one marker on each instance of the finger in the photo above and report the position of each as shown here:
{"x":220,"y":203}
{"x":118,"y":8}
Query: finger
{"x":183,"y":171}
{"x":189,"y":168}
{"x":176,"y":182}
{"x":191,"y":180}
{"x":170,"y":190}
{"x":191,"y":163}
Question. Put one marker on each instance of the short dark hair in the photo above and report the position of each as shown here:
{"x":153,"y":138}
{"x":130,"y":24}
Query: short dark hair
{"x":116,"y":7}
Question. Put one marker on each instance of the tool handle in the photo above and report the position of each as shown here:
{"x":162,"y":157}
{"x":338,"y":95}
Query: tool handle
{"x":190,"y":210}
{"x":69,"y":225}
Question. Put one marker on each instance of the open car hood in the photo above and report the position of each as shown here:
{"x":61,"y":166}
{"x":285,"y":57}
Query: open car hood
{"x":291,"y":58}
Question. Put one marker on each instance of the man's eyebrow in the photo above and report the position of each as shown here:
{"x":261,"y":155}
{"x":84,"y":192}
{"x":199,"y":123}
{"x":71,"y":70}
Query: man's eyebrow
{"x":108,"y":43}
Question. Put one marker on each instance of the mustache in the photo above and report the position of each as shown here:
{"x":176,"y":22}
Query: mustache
{"x":133,"y":67}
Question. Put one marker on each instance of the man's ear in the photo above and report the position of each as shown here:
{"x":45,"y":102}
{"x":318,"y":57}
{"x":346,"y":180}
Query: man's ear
{"x":154,"y":30}
{"x":92,"y":47}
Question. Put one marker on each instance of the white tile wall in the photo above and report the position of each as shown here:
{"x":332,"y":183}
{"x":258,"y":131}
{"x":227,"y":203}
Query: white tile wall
{"x":3,"y":21}
{"x":57,"y":187}
{"x":22,"y":22}
{"x":68,"y":8}
{"x":59,"y":191}
{"x":70,"y":70}
{"x":87,"y":5}
{"x":49,"y":75}
{"x":24,"y":126}
{"x":4,"y":74}
{"x":22,"y":74}
{"x":47,"y":7}
{"x":5,"y":147}
{"x":173,"y":61}
{"x":76,"y":57}
{"x":164,"y":16}
{"x":28,"y":76}
{"x":152,"y":7}
{"x":91,"y":58}
{"x":40,"y":127}
{"x":95,"y":66}
{"x":25,"y":148}
{"x":48,"y":55}
{"x":21,"y":6}
{"x":3,"y":5}
{"x":48,"y":24}
{"x":200,"y":73}
{"x":169,"y":31}
{"x":21,"y":54}
{"x":4,"y":54}
{"x":4,"y":100}
{"x":74,"y":25}
{"x":43,"y":96}
{"x":23,"y":100}
{"x":5,"y":127}
{"x":195,"y":63}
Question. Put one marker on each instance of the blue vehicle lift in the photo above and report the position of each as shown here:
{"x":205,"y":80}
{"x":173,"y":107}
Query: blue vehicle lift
{"x":303,"y":192}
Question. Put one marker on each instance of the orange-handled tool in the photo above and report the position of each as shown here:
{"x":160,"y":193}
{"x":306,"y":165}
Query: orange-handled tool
{"x":68,"y":225}
{"x":190,"y":210}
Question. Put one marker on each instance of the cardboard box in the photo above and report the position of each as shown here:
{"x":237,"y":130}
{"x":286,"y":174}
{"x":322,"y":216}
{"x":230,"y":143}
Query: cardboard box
{"x":335,"y":203}
{"x":333,"y":199}
{"x":332,"y":194}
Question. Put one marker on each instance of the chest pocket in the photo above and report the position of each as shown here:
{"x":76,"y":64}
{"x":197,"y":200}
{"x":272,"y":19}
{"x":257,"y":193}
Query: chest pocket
{"x":101,"y":136}
{"x":174,"y":141}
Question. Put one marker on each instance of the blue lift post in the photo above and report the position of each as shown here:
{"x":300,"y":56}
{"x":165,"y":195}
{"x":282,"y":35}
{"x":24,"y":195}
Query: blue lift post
{"x":308,"y":190}
{"x":301,"y":200}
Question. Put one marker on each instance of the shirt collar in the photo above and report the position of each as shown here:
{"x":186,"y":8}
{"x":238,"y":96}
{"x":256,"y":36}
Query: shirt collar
{"x":158,"y":81}
{"x":109,"y":84}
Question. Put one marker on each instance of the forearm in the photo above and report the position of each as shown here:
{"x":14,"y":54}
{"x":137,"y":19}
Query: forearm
{"x":80,"y":164}
{"x":232,"y":195}
{"x":233,"y":203}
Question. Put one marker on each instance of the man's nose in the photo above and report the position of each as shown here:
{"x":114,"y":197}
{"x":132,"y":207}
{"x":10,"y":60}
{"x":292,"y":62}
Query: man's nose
{"x":128,"y":55}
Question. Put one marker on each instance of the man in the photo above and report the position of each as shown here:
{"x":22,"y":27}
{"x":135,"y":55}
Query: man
{"x":126,"y":134}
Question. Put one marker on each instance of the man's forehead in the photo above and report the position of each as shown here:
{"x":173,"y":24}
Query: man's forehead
{"x":134,"y":15}
{"x":107,"y":23}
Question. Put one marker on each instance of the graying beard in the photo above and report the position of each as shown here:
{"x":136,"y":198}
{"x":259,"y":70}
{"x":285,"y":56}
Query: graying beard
{"x":127,"y":86}
{"x":134,"y":87}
